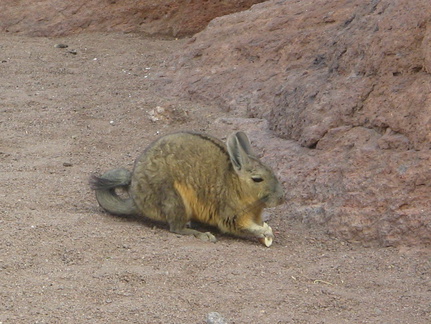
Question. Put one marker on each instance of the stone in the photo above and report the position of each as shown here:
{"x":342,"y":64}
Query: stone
{"x":162,"y":17}
{"x":215,"y":318}
{"x":346,"y":88}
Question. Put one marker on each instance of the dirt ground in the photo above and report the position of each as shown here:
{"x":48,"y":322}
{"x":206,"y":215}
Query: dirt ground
{"x":90,"y":107}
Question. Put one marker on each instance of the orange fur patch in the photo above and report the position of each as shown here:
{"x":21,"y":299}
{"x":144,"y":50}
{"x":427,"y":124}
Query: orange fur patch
{"x":204,"y":212}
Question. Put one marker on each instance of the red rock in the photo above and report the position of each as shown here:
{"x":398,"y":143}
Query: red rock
{"x":349,"y":82}
{"x":162,"y":17}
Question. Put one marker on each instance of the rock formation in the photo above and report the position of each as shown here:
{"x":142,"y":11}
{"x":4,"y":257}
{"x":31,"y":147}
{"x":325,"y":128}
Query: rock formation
{"x":161,"y":17}
{"x":349,"y":82}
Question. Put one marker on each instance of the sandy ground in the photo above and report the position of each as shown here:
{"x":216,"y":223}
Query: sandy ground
{"x":90,"y":107}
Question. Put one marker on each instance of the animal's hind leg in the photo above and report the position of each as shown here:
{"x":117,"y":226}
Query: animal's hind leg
{"x":207,"y":236}
{"x":177,"y":217}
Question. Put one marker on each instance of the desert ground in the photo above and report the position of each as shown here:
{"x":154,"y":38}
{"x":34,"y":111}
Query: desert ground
{"x":68,"y":112}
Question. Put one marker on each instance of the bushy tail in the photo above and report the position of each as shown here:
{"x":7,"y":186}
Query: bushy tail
{"x":107,"y":197}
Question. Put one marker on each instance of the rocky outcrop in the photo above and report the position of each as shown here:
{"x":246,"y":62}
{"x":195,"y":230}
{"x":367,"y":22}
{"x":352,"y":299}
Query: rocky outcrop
{"x":349,"y":83}
{"x":162,"y":17}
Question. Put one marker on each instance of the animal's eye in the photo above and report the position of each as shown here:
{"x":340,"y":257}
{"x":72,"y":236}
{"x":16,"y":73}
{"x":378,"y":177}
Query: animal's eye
{"x":257,"y":179}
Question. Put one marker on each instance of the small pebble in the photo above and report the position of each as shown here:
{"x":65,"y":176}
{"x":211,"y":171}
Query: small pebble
{"x":61,"y":45}
{"x":215,"y":318}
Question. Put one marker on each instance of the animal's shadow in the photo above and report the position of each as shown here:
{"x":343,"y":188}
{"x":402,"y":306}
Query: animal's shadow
{"x":150,"y":223}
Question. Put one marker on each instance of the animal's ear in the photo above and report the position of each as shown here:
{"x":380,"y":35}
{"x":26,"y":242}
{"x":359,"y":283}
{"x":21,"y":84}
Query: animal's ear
{"x":239,"y":149}
{"x":244,"y":142}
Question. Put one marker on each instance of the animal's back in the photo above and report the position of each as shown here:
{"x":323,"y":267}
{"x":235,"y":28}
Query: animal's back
{"x":192,"y":166}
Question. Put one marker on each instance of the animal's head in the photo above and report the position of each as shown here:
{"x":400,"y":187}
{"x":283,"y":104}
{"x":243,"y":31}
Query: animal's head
{"x":256,"y":179}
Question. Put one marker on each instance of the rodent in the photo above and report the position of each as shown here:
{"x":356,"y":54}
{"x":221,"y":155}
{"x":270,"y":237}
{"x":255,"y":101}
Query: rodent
{"x":186,"y":176}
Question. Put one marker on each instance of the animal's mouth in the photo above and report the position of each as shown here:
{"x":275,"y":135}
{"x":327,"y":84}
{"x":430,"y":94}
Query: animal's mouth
{"x":272,"y":202}
{"x":264,"y":200}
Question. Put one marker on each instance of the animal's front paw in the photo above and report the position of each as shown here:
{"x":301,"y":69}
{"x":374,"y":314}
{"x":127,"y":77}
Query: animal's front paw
{"x":267,"y":235}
